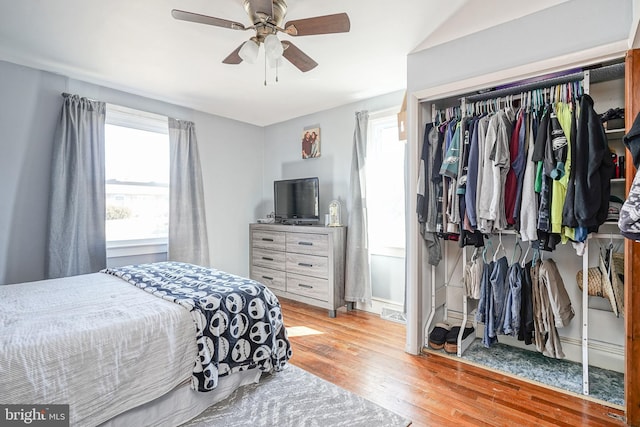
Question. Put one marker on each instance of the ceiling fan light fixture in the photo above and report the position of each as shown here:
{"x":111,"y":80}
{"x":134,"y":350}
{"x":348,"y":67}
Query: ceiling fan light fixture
{"x":249,"y":51}
{"x":267,"y":17}
{"x":273,"y":47}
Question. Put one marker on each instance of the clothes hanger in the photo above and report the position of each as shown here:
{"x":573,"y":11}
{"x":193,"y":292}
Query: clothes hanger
{"x":524,"y":257}
{"x":488,"y":245}
{"x":499,"y":247}
{"x":515,"y":247}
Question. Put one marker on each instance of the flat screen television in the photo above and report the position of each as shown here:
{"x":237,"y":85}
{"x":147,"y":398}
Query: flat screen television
{"x":296,"y":201}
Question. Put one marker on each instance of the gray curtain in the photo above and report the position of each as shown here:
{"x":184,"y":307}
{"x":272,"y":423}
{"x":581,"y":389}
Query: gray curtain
{"x":357,"y":271}
{"x":188,"y":240}
{"x":76,"y":232}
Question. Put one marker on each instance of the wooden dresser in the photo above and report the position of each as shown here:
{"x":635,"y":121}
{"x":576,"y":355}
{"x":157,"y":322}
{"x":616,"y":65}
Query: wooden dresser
{"x":299,"y":262}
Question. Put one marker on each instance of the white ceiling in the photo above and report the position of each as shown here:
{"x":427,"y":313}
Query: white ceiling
{"x":136,"y":46}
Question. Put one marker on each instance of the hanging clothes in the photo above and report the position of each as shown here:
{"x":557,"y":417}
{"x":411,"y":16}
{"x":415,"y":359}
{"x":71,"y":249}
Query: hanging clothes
{"x":518,"y":165}
{"x":485,"y":305}
{"x":469,"y":236}
{"x":559,"y":300}
{"x":594,"y":169}
{"x":436,"y":178}
{"x":477,"y":140}
{"x":529,"y":202}
{"x":568,"y":213}
{"x":511,"y":181}
{"x":495,"y":165}
{"x":546,"y":335}
{"x":552,"y":308}
{"x":526,"y":331}
{"x":562,"y":131}
{"x":449,"y":171}
{"x":428,"y":195}
{"x":520,"y":169}
{"x":513,"y":303}
{"x":546,"y":165}
{"x":498,"y":282}
{"x":472,"y":277}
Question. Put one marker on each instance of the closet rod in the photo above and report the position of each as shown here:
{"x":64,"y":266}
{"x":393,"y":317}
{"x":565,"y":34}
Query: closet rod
{"x":576,"y":77}
{"x":604,"y":73}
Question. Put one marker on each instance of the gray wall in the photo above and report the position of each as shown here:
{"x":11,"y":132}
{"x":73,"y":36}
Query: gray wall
{"x":231,"y":155}
{"x":569,"y":27}
{"x":29,"y":106}
{"x":283,"y":159}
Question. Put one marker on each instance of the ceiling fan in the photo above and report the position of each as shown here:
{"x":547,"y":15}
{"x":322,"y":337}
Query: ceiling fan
{"x":267,"y":17}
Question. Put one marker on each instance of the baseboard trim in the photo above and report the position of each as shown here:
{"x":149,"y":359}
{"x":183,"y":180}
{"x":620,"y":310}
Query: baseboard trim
{"x":378,"y":304}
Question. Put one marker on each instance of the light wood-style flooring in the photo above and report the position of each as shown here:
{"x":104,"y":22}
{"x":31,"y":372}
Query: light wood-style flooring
{"x":364,"y":354}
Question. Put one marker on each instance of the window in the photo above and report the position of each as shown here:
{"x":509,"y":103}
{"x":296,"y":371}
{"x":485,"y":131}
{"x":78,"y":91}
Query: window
{"x":137,"y":177}
{"x":385,"y":186}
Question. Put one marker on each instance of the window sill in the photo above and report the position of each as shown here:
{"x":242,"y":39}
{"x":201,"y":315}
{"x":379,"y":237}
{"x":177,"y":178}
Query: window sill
{"x":124,"y":248}
{"x":388,"y":252}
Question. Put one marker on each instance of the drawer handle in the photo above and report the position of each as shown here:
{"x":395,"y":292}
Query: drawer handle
{"x":306,"y":243}
{"x":267,"y":258}
{"x":267,"y":239}
{"x":267,"y":278}
{"x":305,"y":286}
{"x":304,"y":264}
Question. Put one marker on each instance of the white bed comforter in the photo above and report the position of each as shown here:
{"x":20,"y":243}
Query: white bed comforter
{"x":94,"y":342}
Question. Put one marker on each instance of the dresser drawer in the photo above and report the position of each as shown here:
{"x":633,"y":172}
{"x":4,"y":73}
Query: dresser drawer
{"x":307,"y":243}
{"x":270,"y":259}
{"x":269,"y":240}
{"x":308,"y":265}
{"x":273,"y":279}
{"x":308,"y":286}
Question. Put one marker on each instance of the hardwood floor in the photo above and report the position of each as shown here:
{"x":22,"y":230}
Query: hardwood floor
{"x":364,"y":354}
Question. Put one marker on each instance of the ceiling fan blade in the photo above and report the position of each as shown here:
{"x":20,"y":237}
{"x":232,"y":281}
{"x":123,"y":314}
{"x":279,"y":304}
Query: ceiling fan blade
{"x":338,"y":23}
{"x":297,"y":57}
{"x":207,"y":20}
{"x":261,"y":6}
{"x":233,"y":57}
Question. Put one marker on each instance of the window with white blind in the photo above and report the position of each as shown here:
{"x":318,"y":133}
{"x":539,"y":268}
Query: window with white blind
{"x":137,"y":177}
{"x":385,"y":185}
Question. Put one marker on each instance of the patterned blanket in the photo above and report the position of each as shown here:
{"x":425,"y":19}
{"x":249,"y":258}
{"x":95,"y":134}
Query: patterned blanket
{"x":238,"y":321}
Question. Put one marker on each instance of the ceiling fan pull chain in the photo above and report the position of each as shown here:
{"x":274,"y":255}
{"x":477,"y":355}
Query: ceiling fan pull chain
{"x":265,"y":69}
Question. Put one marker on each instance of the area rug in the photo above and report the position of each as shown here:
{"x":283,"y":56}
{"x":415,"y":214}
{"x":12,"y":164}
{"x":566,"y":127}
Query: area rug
{"x":295,"y":397}
{"x":604,"y":384}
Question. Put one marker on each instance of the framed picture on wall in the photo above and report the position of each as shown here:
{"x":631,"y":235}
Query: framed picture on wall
{"x":311,"y":143}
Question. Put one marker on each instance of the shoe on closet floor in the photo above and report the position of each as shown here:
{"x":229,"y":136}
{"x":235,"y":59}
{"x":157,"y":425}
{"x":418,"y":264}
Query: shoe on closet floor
{"x":451,"y":340}
{"x":438,"y":336}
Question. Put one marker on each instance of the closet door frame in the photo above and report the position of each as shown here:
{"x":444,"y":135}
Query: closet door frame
{"x":632,"y":257}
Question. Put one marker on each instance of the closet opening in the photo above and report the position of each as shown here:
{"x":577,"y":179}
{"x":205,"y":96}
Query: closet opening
{"x":505,"y":261}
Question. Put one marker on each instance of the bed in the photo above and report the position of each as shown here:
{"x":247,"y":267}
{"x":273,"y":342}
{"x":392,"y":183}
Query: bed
{"x":130,"y":346}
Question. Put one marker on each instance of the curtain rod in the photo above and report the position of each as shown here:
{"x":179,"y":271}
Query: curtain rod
{"x":600,"y":74}
{"x":67,"y":94}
